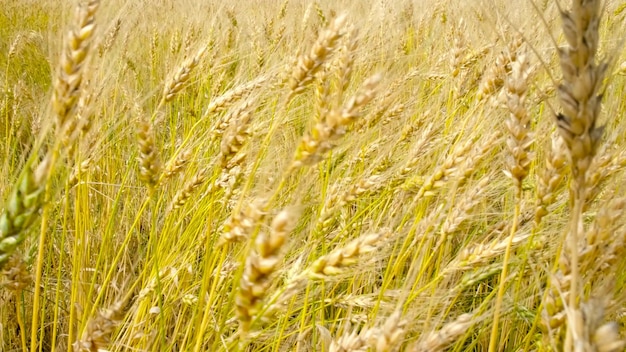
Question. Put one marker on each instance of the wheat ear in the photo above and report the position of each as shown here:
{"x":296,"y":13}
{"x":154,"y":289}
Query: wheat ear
{"x":308,"y":65}
{"x":181,"y":77}
{"x":321,"y":139}
{"x":440,"y":339}
{"x":260,"y":265}
{"x":69,"y":77}
{"x":580,"y":98}
{"x":149,"y":164}
{"x":97,"y":336}
{"x":519,"y":142}
{"x":335,"y":262}
{"x":181,"y":197}
{"x":22,"y":208}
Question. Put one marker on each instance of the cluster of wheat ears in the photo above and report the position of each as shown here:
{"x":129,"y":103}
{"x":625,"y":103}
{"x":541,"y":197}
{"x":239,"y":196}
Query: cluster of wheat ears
{"x":311,"y":176}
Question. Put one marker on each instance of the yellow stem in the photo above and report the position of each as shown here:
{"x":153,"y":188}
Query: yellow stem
{"x":507,"y":257}
{"x":41,"y":251}
{"x":572,"y":246}
{"x":20,"y":319}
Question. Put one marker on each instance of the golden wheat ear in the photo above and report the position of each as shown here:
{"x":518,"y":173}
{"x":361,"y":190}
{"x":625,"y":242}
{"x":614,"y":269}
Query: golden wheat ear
{"x":259,"y":268}
{"x":308,"y":65}
{"x":580,"y":96}
{"x":97,"y":336}
{"x":67,"y":86}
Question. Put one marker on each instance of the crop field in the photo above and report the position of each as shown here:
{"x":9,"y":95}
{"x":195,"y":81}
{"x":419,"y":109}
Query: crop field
{"x":436,"y":175}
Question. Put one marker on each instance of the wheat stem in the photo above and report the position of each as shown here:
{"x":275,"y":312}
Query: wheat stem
{"x":493,"y":340}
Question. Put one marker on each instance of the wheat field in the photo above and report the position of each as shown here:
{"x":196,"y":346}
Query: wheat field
{"x":438,"y":175}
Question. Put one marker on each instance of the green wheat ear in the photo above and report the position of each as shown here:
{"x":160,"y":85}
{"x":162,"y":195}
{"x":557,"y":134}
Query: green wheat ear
{"x":21,"y":209}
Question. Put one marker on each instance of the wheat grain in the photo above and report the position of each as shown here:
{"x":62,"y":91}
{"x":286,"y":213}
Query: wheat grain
{"x":458,"y":48}
{"x":346,"y":64}
{"x":391,"y":333}
{"x":518,"y":142}
{"x":518,"y":123}
{"x":336,"y":201}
